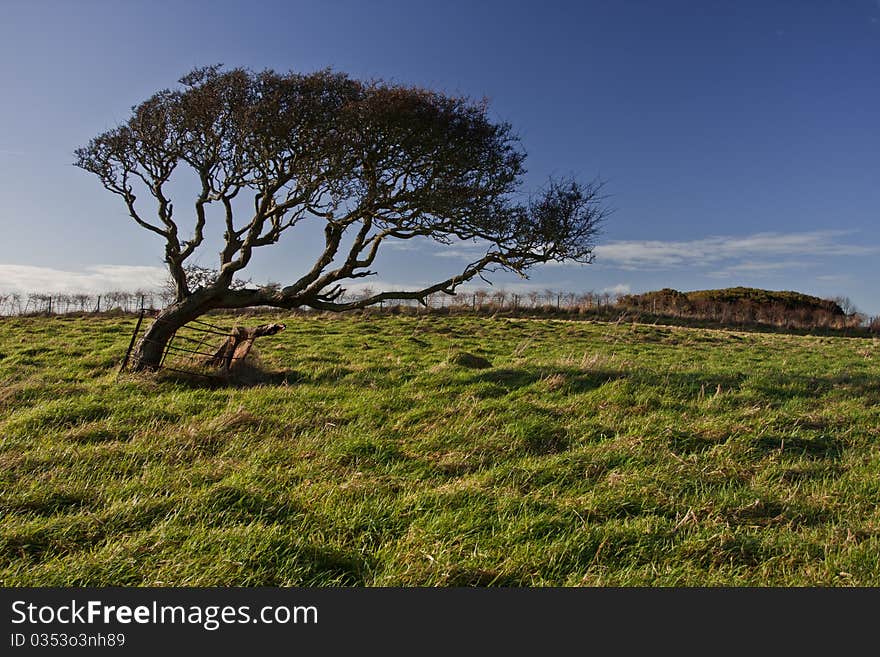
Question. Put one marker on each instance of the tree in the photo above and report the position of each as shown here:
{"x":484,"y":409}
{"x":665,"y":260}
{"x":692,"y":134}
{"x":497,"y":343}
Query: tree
{"x":369,"y":161}
{"x":845,"y":304}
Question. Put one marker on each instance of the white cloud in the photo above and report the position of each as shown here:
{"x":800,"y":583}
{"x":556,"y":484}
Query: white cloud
{"x":656,"y":254}
{"x":96,"y":278}
{"x":402,"y":245}
{"x":375,"y":285}
{"x":513,"y":288}
{"x":835,"y":278}
{"x":465,"y":288}
{"x":768,"y":268}
{"x":751,"y":266}
{"x":728,"y":255}
{"x":461,"y":251}
{"x":620,"y":288}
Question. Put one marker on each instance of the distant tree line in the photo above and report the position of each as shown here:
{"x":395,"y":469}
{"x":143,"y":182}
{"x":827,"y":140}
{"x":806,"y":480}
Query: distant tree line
{"x":730,"y":306}
{"x":40,"y":303}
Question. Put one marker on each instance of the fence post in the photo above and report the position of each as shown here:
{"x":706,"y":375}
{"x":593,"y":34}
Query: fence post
{"x":131,"y":344}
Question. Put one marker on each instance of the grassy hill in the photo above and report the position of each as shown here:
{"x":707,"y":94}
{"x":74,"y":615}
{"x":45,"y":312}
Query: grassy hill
{"x":371,"y":453}
{"x":745,"y":306}
{"x":734,"y":295}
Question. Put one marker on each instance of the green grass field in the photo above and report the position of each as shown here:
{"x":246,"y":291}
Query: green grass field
{"x":588,"y":454}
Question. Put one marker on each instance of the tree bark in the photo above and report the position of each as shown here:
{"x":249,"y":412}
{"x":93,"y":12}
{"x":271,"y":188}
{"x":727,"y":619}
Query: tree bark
{"x":147,"y":355}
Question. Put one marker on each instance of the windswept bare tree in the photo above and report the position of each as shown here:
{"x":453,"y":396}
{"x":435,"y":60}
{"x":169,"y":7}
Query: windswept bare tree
{"x":369,"y":161}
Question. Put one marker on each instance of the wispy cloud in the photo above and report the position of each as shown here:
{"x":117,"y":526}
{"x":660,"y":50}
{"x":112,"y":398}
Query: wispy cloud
{"x":750,"y":267}
{"x":403,"y":245}
{"x":835,"y":278}
{"x":620,"y":288}
{"x":96,"y":278}
{"x":462,"y":251}
{"x":724,"y":255}
{"x":517,"y":287}
{"x":374,"y":286}
{"x":712,"y":251}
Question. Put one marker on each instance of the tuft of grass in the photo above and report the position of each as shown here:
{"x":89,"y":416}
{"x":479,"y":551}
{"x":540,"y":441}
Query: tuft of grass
{"x":365,"y":450}
{"x":465,"y":359}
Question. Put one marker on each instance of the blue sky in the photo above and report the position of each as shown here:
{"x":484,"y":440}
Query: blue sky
{"x":739,"y":141}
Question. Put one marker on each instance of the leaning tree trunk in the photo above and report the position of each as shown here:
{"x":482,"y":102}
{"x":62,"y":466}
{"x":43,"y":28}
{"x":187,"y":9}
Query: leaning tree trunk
{"x":147,"y":355}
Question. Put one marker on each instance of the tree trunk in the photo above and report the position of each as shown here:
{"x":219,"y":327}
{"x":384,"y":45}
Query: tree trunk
{"x":147,"y":355}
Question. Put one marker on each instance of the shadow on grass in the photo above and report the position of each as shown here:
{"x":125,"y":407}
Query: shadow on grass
{"x":283,"y":562}
{"x":819,"y":447}
{"x":231,"y":504}
{"x":66,"y":534}
{"x":480,"y":577}
{"x":776,"y":387}
{"x":246,"y":375}
{"x":47,"y":505}
{"x":767,"y":512}
{"x":739,"y":549}
{"x":569,"y":379}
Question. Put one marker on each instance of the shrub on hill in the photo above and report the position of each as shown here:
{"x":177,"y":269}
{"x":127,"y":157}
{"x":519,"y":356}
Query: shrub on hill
{"x":744,"y":305}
